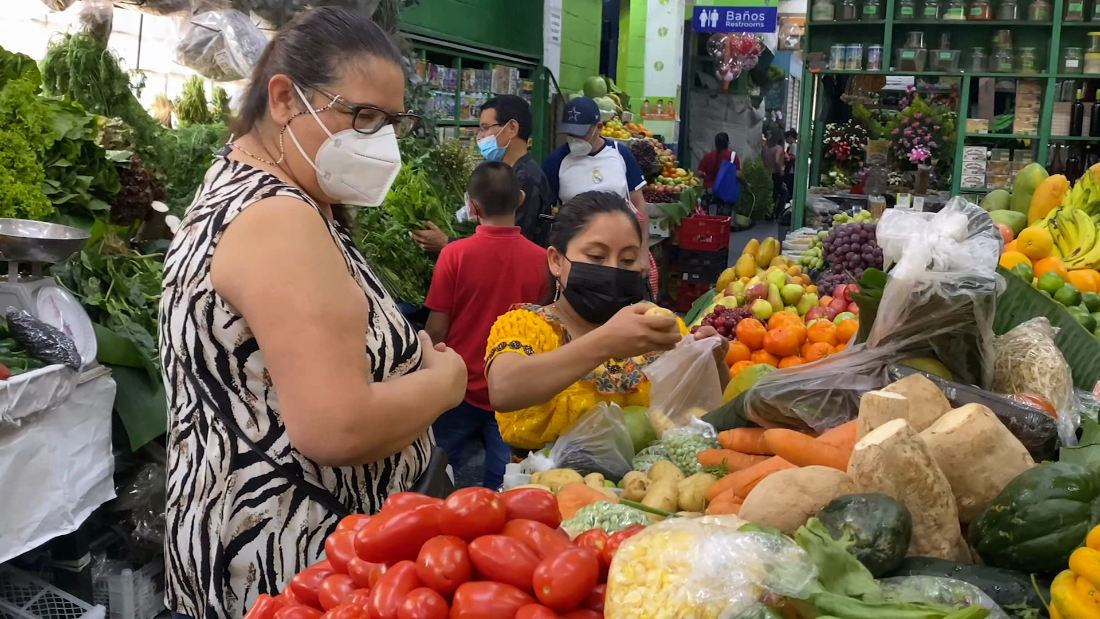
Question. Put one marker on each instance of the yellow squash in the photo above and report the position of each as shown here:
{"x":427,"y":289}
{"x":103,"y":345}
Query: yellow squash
{"x":1075,"y":593}
{"x":1047,"y":195}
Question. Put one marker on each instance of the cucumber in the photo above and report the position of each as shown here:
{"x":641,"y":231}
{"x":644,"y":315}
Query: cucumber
{"x":1013,"y":591}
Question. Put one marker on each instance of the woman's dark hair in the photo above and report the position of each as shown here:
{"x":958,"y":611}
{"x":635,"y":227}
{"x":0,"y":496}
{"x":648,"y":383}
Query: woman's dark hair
{"x":573,"y":217}
{"x":308,"y":51}
{"x":721,"y":141}
{"x":775,"y":137}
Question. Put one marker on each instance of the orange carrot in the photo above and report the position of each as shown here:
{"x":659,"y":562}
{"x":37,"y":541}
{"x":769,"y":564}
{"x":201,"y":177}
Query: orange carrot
{"x":745,"y":440}
{"x":842,"y":436}
{"x":576,"y":495}
{"x":804,"y":450}
{"x":738,"y":480}
{"x":725,"y":503}
{"x":733,"y":460}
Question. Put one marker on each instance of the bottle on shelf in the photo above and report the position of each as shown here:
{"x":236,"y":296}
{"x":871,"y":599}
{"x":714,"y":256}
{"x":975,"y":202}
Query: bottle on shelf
{"x":1075,"y":165}
{"x":1092,"y":156}
{"x":1094,"y":116}
{"x":1077,"y":115}
{"x":1056,"y":166}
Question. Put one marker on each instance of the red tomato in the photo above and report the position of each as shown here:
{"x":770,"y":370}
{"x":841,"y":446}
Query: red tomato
{"x":444,"y":564}
{"x":353,"y":522}
{"x":595,"y":599}
{"x":298,"y":612}
{"x":398,"y":535}
{"x":360,"y":598}
{"x":488,"y":600}
{"x":537,"y":536}
{"x":334,"y":590}
{"x":423,"y":603}
{"x":563,"y":582}
{"x":1036,"y":401}
{"x":536,"y":611}
{"x":470,"y":513}
{"x":617,"y":540}
{"x":595,"y":540}
{"x":392,"y":589}
{"x":503,"y":559}
{"x":264,"y":608}
{"x":347,"y":611}
{"x":405,"y":500}
{"x":340,"y":549}
{"x":532,"y":504}
{"x":303,"y":587}
{"x":365,"y":574}
{"x":582,"y":613}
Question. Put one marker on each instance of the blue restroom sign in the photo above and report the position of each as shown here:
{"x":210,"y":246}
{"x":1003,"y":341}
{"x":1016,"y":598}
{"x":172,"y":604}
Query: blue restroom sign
{"x":757,"y":19}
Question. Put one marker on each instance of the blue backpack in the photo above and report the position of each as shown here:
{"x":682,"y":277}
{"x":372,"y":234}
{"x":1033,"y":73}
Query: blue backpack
{"x":726,"y":186}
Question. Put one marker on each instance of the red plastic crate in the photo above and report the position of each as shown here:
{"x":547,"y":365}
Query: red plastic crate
{"x":687,"y":293}
{"x":705,"y":232}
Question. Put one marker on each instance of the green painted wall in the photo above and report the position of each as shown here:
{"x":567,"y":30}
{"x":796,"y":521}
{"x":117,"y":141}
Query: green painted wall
{"x":631,"y":77}
{"x":505,"y":25}
{"x":580,"y":47}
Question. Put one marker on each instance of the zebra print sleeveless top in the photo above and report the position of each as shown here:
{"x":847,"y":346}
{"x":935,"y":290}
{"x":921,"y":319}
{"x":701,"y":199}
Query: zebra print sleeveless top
{"x":235,"y":528}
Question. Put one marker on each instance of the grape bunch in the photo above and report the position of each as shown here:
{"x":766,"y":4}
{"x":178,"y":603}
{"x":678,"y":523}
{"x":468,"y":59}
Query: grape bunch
{"x":645,"y":154}
{"x":814,"y":257}
{"x":654,"y":195}
{"x":850,"y":248}
{"x":724,"y":320}
{"x":861,"y":217}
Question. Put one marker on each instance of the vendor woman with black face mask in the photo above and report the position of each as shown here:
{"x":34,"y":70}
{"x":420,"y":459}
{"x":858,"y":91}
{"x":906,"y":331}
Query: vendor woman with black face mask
{"x":548,"y":364}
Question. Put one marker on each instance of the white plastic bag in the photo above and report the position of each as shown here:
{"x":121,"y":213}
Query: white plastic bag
{"x":685,"y":384}
{"x":599,"y":442}
{"x":221,"y":45}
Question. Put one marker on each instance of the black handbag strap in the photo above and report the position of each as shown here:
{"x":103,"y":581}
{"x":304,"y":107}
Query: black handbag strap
{"x":319,"y":495}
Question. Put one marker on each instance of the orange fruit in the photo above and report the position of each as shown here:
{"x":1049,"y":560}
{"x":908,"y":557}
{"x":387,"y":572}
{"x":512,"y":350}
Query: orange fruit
{"x":805,"y":350}
{"x":790,"y":362}
{"x":782,"y":319}
{"x":816,"y":352}
{"x":822,"y":331}
{"x":846,"y":330}
{"x":1085,"y":280}
{"x":782,"y":342}
{"x":763,"y":356}
{"x":751,"y":332}
{"x":839,"y":347}
{"x":736,"y":368}
{"x":1010,"y":259}
{"x":737,"y":352}
{"x":812,"y":289}
{"x":1050,"y":265}
{"x":1010,"y":247}
{"x":825,"y":301}
{"x":1035,"y":243}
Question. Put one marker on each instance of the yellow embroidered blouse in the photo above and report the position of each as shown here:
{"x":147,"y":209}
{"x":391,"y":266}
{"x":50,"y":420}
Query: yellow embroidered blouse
{"x":530,"y":330}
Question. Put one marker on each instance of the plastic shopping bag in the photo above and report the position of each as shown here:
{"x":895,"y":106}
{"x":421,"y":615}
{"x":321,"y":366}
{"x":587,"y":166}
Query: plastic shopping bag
{"x":598,"y":443}
{"x":685,"y":384}
{"x":221,"y":45}
{"x":726,"y":185}
{"x":939,"y":302}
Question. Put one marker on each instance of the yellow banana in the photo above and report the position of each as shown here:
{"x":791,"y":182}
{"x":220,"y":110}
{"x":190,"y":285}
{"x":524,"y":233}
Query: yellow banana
{"x":1086,"y":234}
{"x":1064,"y":231}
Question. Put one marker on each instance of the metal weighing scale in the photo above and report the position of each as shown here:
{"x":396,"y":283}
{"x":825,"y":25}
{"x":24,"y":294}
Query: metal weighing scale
{"x":38,"y":244}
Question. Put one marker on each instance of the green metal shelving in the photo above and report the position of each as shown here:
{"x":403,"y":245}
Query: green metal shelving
{"x":812,"y":125}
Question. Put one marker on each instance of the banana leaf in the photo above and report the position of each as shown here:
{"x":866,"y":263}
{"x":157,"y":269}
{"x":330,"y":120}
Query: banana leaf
{"x":1022,"y":302}
{"x":700,"y":304}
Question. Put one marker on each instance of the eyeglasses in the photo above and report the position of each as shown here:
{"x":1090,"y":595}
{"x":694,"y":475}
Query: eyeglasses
{"x":368,"y":119}
{"x":484,"y":128}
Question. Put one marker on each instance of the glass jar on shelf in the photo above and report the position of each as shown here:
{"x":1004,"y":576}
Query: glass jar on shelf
{"x":1027,"y":60}
{"x":1075,"y":10}
{"x":1038,"y":10}
{"x":1002,"y":60}
{"x":1072,"y":60}
{"x":837,"y":55}
{"x":980,"y":10}
{"x":1007,"y":10}
{"x":906,"y":11}
{"x":874,"y":58}
{"x":873,"y":10}
{"x":848,"y":11}
{"x":955,"y":11}
{"x":1095,"y":16}
{"x":823,"y":10}
{"x":979,"y":60}
{"x":1092,"y":54}
{"x":930,"y":10}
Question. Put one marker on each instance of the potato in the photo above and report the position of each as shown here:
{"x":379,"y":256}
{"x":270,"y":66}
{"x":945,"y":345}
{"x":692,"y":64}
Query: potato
{"x":665,"y":469}
{"x":556,"y":478}
{"x":660,"y":312}
{"x":635,"y":485}
{"x":594,"y":480}
{"x":661,"y":495}
{"x":787,"y":499}
{"x":692,"y":491}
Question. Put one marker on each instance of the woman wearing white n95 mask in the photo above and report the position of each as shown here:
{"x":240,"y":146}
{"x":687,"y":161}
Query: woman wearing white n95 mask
{"x":297,"y":391}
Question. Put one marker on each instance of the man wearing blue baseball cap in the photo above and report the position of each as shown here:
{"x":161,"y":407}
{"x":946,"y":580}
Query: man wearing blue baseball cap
{"x":590,"y":162}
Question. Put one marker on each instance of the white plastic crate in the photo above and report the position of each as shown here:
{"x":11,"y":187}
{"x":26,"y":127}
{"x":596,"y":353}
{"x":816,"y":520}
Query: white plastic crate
{"x":132,"y":594}
{"x":24,"y":597}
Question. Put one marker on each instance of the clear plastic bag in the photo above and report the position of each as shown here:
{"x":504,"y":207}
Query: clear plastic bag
{"x":703,"y":567}
{"x":221,"y":45}
{"x":937,"y":590}
{"x":684,"y":444}
{"x":58,"y":5}
{"x":96,"y":18}
{"x":1028,"y":361}
{"x":276,"y":13}
{"x":605,"y":516}
{"x":939,"y":302}
{"x":156,"y":7}
{"x":649,"y":456}
{"x":598,"y":442}
{"x":685,"y":384}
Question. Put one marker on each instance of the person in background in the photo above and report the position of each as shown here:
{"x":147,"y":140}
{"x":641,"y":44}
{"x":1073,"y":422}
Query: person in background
{"x":791,"y":138}
{"x":775,"y":159}
{"x":476,"y":280}
{"x":588,"y":342}
{"x":296,"y":389}
{"x":589,"y":162}
{"x":504,"y":130}
{"x":712,"y":161}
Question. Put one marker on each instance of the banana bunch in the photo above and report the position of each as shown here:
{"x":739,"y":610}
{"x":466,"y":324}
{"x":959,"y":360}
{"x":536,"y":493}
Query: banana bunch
{"x":1085,"y":193}
{"x":1075,"y":238}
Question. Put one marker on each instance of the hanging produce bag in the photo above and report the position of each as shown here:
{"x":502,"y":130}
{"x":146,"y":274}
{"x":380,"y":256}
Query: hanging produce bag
{"x":938,"y":304}
{"x":221,"y":45}
{"x":96,"y":18}
{"x":153,"y":7}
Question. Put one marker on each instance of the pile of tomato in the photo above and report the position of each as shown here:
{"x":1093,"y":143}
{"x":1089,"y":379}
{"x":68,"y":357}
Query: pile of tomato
{"x":477,"y":555}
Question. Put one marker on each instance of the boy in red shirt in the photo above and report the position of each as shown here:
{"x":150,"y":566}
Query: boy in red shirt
{"x":476,"y":280}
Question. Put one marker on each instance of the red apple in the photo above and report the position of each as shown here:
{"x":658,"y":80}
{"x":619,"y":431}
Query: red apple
{"x":841,"y":292}
{"x":852,"y":307}
{"x":853,"y":289}
{"x":815,"y":314}
{"x":756,"y":291}
{"x":832,"y":312}
{"x":840,"y":305}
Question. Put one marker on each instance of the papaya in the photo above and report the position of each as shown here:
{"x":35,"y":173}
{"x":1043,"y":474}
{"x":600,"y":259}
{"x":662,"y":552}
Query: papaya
{"x":1027,"y":181}
{"x":726,"y":278}
{"x":1047,"y":195}
{"x":745,"y":266}
{"x":751,"y":248}
{"x":769,"y":249}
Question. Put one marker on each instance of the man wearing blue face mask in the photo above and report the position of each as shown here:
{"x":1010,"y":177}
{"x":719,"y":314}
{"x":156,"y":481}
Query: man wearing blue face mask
{"x":503,"y":132}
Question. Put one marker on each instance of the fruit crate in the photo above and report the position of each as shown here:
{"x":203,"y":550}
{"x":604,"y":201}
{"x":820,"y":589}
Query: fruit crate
{"x":132,"y":593}
{"x":705,"y":232}
{"x":25,"y":597}
{"x":688,"y":291}
{"x":704,"y":263}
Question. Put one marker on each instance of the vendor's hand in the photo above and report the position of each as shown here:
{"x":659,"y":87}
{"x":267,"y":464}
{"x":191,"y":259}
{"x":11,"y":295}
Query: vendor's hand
{"x":431,"y":239}
{"x":724,"y":344}
{"x":447,"y":365}
{"x":630,"y":332}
